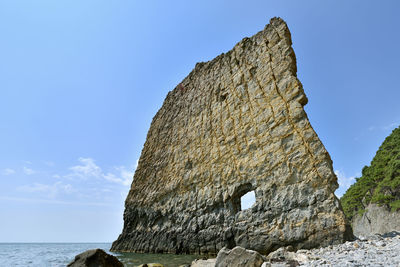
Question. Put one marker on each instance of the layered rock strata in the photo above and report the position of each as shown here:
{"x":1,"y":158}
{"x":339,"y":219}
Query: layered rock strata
{"x":235,"y":124}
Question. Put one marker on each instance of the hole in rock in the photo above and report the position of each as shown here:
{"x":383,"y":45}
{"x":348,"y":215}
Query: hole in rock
{"x":247,"y":200}
{"x":223,"y":97}
{"x":189,"y":165}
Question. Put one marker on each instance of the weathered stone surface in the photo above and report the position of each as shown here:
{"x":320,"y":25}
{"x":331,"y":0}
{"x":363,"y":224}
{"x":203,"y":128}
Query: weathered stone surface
{"x":376,"y":220}
{"x":238,"y":257}
{"x":95,"y":258}
{"x":234,"y":124}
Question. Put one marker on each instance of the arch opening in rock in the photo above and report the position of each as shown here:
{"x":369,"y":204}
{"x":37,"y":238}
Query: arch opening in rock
{"x":247,"y":200}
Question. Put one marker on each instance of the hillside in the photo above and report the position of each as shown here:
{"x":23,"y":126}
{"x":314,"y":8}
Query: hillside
{"x":379,"y":183}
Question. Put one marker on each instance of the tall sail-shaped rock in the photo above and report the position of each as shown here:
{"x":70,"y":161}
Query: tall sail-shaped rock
{"x":234,"y":125}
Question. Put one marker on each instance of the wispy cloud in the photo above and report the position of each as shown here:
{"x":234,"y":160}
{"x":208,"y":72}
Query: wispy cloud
{"x":86,"y":169}
{"x":387,"y":127}
{"x":89,"y":169}
{"x":52,"y":201}
{"x":51,"y":190}
{"x":49,"y":163}
{"x":8,"y":171}
{"x":85,"y":181}
{"x":391,"y":126}
{"x":344,"y":182}
{"x":28,"y":171}
{"x":124,"y":176}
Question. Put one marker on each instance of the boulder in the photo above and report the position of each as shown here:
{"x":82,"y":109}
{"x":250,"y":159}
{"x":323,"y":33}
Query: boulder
{"x":203,"y":263}
{"x":286,"y":256}
{"x":95,"y":258}
{"x":238,"y":257}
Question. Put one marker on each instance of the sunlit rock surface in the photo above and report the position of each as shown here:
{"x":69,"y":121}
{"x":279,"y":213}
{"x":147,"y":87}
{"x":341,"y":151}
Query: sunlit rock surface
{"x":233,"y":125}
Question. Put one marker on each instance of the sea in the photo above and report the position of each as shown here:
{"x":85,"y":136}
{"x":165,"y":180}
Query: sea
{"x":60,"y":254}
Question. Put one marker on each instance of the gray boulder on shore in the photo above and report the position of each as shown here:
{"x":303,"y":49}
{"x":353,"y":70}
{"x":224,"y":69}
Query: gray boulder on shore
{"x":95,"y":258}
{"x":239,"y":257}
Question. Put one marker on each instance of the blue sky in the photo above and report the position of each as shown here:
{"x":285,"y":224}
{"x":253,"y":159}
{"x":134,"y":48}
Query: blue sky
{"x":81,"y":80}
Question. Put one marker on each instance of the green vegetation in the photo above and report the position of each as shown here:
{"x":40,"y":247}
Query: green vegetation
{"x":379,"y":183}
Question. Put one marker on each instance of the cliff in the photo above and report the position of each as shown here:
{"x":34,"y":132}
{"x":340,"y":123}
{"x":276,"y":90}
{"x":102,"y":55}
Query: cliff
{"x":373,"y":202}
{"x":375,"y":220}
{"x":233,"y":125}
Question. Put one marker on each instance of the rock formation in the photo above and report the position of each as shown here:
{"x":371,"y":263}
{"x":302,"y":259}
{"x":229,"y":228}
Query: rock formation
{"x":375,"y":220}
{"x":233,"y":125}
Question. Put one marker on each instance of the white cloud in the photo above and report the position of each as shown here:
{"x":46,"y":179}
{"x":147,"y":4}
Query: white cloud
{"x":8,"y":171}
{"x":124,"y":176}
{"x":28,"y":171}
{"x":89,"y":169}
{"x":50,"y":190}
{"x":344,"y":182}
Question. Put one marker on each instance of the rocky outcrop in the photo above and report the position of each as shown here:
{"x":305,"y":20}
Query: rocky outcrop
{"x":233,"y":125}
{"x":95,"y":257}
{"x":376,"y":220}
{"x":372,"y":203}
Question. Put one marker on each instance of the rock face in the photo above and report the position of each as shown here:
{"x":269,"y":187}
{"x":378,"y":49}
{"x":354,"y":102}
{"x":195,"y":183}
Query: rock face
{"x":233,"y":125}
{"x":95,"y":258}
{"x":372,"y":203}
{"x":376,"y":220}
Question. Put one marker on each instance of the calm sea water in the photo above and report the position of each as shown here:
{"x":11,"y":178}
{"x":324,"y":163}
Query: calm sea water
{"x":60,"y":254}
